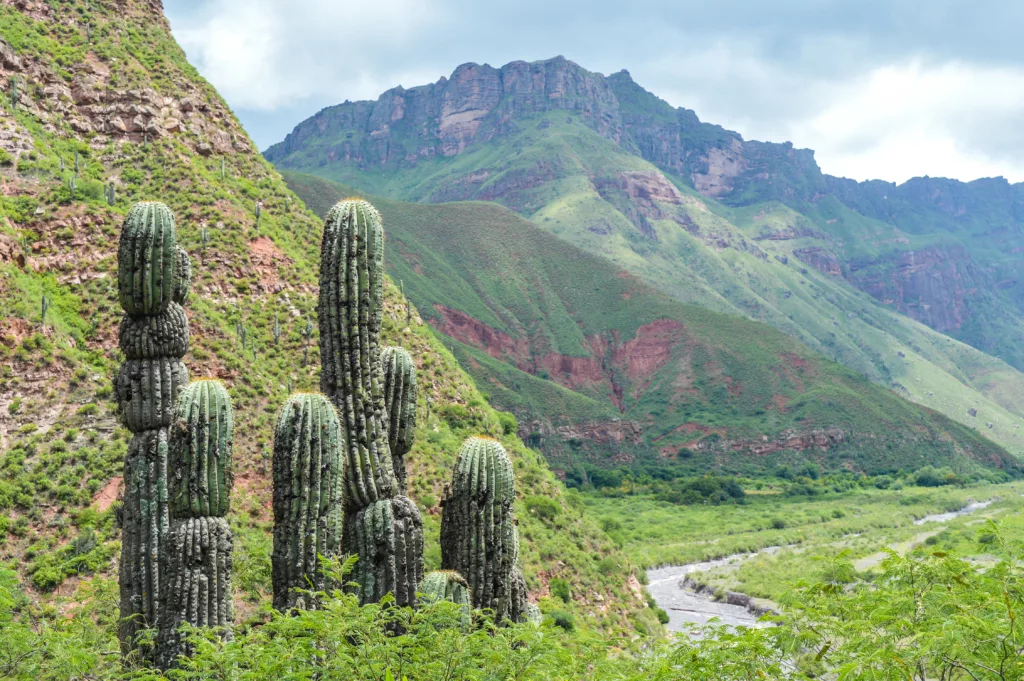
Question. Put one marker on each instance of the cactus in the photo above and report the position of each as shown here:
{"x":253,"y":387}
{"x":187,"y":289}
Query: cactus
{"x":183,"y":277}
{"x":147,"y":259}
{"x":387,"y":536}
{"x":276,"y":331}
{"x":15,"y":95}
{"x":445,"y":585}
{"x":72,"y":186}
{"x":154,"y":337}
{"x":478,"y":536}
{"x":162,"y":335}
{"x":44,"y":307}
{"x":198,"y":587}
{"x":111,"y":194}
{"x":400,"y":399}
{"x":147,"y":390}
{"x":351,"y":293}
{"x":533,"y":614}
{"x":76,"y":163}
{"x":145,"y":524}
{"x":307,"y":496}
{"x":515,"y":606}
{"x":199,"y":469}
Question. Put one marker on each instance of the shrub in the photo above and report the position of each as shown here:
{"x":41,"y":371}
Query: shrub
{"x":544,"y":508}
{"x":563,"y":619}
{"x":560,"y":589}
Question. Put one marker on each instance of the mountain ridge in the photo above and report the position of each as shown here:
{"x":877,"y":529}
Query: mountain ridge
{"x":827,"y":275}
{"x":980,"y":302}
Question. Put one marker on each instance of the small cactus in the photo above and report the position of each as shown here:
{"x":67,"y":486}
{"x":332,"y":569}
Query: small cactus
{"x":15,"y":96}
{"x":44,"y":308}
{"x":307,"y":496}
{"x":400,"y":398}
{"x":277,"y":329}
{"x":111,"y":194}
{"x":183,"y":277}
{"x":77,"y":167}
{"x":72,"y":186}
{"x":199,"y":469}
{"x":478,"y":535}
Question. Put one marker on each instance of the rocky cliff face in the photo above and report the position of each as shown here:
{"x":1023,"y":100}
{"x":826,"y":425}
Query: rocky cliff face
{"x":474,"y":104}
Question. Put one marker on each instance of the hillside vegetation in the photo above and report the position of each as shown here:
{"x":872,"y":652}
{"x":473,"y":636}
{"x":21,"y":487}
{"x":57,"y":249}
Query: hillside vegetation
{"x":687,"y":207}
{"x":105,"y":97}
{"x":600,"y":367}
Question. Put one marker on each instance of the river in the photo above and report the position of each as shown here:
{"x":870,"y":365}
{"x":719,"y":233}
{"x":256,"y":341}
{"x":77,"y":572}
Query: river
{"x":685,"y":607}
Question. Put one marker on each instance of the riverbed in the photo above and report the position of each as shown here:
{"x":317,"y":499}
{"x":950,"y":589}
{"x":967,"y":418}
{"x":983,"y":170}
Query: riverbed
{"x":686,"y":607}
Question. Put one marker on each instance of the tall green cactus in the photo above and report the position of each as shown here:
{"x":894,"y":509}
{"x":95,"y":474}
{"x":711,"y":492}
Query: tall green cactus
{"x":199,"y":470}
{"x":349,"y":310}
{"x":400,"y":399}
{"x":154,"y":337}
{"x":478,"y":536}
{"x":307,"y":496}
{"x":147,"y":259}
{"x":198,"y":584}
{"x":387,"y":536}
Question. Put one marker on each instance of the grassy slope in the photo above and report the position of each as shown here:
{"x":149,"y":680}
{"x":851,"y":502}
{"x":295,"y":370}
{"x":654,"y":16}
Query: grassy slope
{"x":727,"y":377}
{"x":62,"y":445}
{"x":741,"y":277}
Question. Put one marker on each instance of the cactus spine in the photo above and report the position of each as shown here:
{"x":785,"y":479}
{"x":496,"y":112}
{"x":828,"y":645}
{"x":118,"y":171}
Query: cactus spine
{"x":400,"y":398}
{"x":154,"y":338}
{"x":197,"y":567}
{"x":383,"y":528}
{"x":478,"y":534}
{"x":307,"y":496}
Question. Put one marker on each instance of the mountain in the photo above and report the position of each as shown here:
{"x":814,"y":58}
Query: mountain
{"x":696,"y":212}
{"x":600,"y":367}
{"x":105,"y":97}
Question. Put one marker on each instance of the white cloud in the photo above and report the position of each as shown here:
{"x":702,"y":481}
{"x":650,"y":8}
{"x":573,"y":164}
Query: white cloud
{"x":915,"y":119}
{"x":265,"y":54}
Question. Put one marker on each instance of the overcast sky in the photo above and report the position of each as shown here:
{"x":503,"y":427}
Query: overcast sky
{"x":879,"y":89}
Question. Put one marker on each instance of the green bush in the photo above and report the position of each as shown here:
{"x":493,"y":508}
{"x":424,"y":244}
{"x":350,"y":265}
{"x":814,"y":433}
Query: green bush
{"x":560,"y":589}
{"x":563,"y":619}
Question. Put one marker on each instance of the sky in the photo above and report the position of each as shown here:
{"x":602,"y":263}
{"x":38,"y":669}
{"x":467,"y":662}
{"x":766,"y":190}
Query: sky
{"x":880,"y":89}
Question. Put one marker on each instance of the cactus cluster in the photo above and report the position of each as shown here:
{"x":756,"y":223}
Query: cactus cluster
{"x":307,"y":496}
{"x":382,"y":527}
{"x":154,"y":337}
{"x":479,"y":539}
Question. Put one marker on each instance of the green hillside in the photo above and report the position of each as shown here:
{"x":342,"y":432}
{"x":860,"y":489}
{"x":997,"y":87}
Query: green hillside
{"x":141,"y":119}
{"x":598,"y":365}
{"x":573,"y":179}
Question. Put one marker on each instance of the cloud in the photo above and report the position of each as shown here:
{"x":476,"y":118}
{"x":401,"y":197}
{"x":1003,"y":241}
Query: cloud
{"x":879,"y":88}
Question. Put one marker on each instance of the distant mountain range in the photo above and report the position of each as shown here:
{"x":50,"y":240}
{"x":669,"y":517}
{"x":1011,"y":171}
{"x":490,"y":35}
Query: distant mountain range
{"x":878,"y":277}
